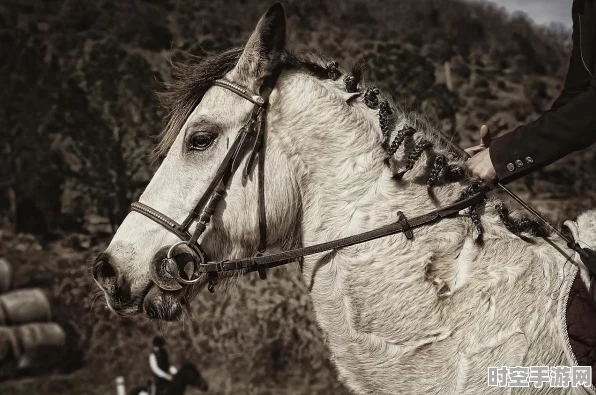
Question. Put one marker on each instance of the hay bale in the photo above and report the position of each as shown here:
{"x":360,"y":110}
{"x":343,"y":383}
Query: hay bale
{"x":31,"y":349}
{"x":40,"y":344}
{"x":23,"y":306}
{"x":5,"y":276}
{"x":9,"y":348}
{"x":9,"y":354}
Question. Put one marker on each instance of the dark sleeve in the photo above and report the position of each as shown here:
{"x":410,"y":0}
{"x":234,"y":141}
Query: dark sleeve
{"x":568,"y":126}
{"x":555,"y":134}
{"x":578,"y":77}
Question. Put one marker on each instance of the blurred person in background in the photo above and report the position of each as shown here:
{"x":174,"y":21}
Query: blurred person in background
{"x":570,"y":125}
{"x":159,"y":362}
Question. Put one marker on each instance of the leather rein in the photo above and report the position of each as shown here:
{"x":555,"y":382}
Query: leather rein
{"x":254,"y":131}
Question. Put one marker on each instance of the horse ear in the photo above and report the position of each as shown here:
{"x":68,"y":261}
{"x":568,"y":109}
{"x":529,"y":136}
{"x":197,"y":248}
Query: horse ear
{"x":266,"y":45}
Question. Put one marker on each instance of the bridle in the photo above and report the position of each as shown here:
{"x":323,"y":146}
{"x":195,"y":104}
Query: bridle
{"x":254,"y":131}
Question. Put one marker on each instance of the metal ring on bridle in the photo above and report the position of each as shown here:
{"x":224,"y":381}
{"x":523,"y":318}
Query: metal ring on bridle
{"x":195,"y":274}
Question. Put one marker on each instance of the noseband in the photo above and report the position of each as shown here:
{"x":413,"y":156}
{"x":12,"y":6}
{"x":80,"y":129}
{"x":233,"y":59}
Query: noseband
{"x":254,"y":130}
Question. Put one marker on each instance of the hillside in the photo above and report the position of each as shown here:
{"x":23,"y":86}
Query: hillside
{"x":80,"y":116}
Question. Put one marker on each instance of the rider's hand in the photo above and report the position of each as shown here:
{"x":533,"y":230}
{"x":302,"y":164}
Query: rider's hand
{"x":169,"y":377}
{"x":479,"y":164}
{"x":485,"y":140}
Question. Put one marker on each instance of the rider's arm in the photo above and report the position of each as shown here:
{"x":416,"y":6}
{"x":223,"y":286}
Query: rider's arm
{"x":570,"y":125}
{"x":578,"y":75}
{"x":156,"y":369}
{"x":555,"y":134}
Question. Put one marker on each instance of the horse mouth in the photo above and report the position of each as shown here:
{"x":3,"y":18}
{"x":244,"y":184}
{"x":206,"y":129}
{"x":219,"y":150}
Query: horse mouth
{"x":164,"y":305}
{"x":125,"y":306}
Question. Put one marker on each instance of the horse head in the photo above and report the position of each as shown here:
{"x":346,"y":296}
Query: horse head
{"x":306,"y":109}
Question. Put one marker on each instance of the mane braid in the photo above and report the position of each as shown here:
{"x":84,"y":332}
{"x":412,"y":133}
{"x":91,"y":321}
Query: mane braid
{"x":351,"y":83}
{"x":312,"y":64}
{"x":473,"y":188}
{"x":352,"y":80}
{"x":384,"y":113}
{"x":454,"y":172}
{"x":333,"y":70}
{"x":520,"y":225}
{"x":420,"y":147}
{"x":438,"y":166}
{"x":399,"y":139}
{"x":371,"y":97}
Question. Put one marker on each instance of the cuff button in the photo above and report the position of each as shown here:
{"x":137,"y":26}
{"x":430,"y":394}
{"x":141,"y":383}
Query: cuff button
{"x":529,"y":160}
{"x":510,"y":166}
{"x":519,"y":163}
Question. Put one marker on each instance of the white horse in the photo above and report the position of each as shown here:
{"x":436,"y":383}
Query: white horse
{"x":421,"y":316}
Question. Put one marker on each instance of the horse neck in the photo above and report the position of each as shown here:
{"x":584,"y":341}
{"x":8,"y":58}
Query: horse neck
{"x":353,"y":287}
{"x":351,"y":188}
{"x":381,"y":301}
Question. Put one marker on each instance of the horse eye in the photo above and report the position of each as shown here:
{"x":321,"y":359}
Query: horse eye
{"x":201,"y":141}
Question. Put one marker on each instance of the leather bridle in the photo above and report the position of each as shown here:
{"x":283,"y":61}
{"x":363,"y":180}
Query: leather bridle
{"x":254,"y":131}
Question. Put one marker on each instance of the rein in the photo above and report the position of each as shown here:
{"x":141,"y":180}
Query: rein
{"x":169,"y":271}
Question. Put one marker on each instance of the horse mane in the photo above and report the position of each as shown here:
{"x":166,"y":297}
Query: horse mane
{"x":193,"y":77}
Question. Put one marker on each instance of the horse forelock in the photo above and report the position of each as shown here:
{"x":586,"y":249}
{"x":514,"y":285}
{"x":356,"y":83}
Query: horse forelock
{"x":193,"y":77}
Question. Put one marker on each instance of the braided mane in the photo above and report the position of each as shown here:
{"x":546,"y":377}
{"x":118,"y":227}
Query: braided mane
{"x":193,"y":79}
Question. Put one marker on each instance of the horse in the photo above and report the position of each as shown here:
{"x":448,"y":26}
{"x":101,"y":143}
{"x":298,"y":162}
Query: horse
{"x":423,"y":311}
{"x":188,"y":375}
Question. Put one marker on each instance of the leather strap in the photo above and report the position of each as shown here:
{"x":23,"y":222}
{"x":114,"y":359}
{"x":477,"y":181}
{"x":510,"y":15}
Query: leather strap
{"x":403,"y":221}
{"x":284,"y":257}
{"x":160,"y":218}
{"x":241,"y":91}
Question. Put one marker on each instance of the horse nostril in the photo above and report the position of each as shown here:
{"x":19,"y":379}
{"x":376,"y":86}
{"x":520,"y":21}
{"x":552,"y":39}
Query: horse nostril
{"x":104,"y":273}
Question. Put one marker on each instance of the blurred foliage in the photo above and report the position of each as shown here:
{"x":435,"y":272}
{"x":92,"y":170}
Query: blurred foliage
{"x":79,"y":117}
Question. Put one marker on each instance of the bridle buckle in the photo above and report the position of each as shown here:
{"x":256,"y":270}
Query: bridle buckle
{"x":403,"y":221}
{"x":261,"y":269}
